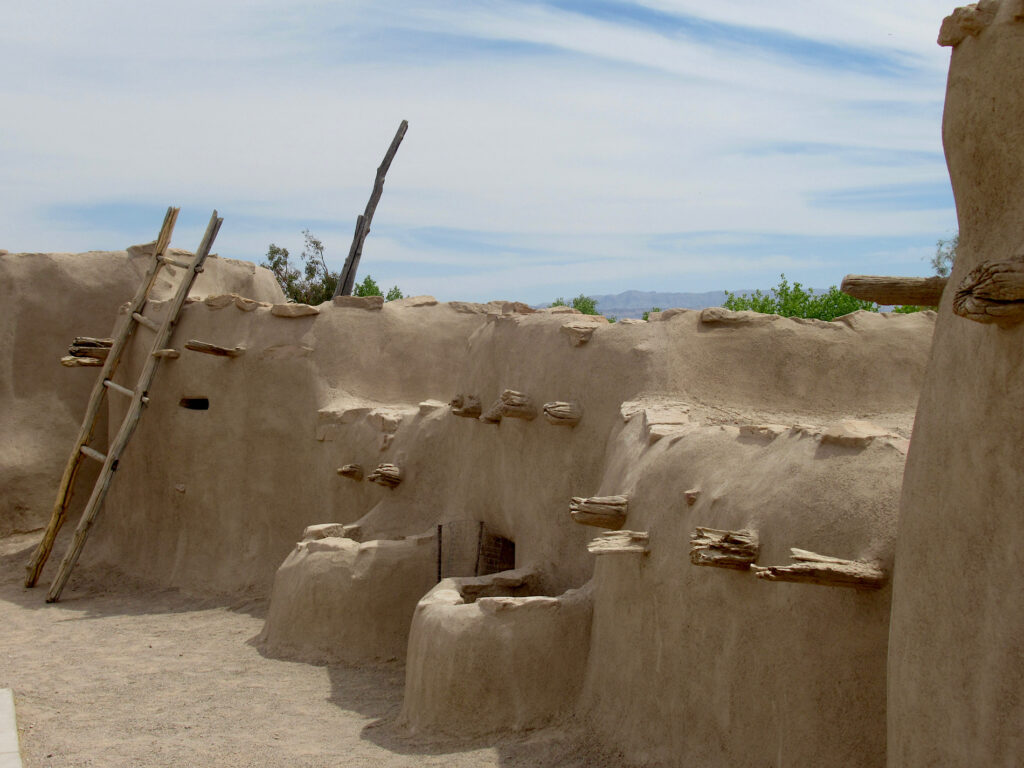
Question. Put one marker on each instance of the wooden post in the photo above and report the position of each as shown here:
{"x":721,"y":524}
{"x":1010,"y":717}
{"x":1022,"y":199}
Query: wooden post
{"x":131,"y":420}
{"x":64,"y":491}
{"x":348,"y":273}
{"x":916,"y":291}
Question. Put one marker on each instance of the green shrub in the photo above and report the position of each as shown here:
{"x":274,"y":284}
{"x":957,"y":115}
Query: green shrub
{"x":647,"y":314}
{"x":583,"y":303}
{"x":794,"y":301}
{"x":315,"y":284}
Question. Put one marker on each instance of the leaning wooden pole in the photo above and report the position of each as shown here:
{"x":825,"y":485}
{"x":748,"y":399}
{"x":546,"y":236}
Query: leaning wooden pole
{"x":346,"y":281}
{"x":60,"y":507}
{"x":918,"y":291}
{"x":139,"y":398}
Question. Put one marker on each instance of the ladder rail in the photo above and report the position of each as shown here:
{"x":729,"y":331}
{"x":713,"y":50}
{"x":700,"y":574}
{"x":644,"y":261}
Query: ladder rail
{"x":64,"y":492}
{"x":131,"y":419}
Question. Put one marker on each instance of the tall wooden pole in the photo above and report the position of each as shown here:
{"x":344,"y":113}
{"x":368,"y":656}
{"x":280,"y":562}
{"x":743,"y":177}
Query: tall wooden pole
{"x":348,"y":273}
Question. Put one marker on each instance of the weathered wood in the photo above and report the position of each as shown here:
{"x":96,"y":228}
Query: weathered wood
{"x":620,"y":543}
{"x":724,"y":549}
{"x":70,"y":361}
{"x":99,"y":353}
{"x":170,"y":354}
{"x":467,"y":406}
{"x":93,"y":454}
{"x":600,"y":511}
{"x":516,"y":405}
{"x":92,"y":341}
{"x":347,"y":278}
{"x":99,"y":491}
{"x":122,"y":390}
{"x":992,"y":292}
{"x":917,"y":291}
{"x":387,"y":475}
{"x":145,"y":321}
{"x":691,"y":496}
{"x":212,"y":349}
{"x":181,"y":264}
{"x":60,"y":507}
{"x":353,"y":471}
{"x":812,"y":568}
{"x":510,"y":404}
{"x":87,"y":346}
{"x":563,"y":414}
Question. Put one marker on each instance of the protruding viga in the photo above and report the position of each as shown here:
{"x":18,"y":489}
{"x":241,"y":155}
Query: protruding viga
{"x":812,"y":568}
{"x":600,"y":511}
{"x":387,"y":475}
{"x":565,"y":414}
{"x":992,"y":292}
{"x":724,"y":549}
{"x":353,"y":471}
{"x":511,"y":405}
{"x":467,"y":406}
{"x":516,"y":405}
{"x":620,"y":543}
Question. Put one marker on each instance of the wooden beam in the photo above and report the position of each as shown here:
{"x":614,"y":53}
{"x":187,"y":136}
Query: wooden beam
{"x":600,"y":511}
{"x":620,"y":543}
{"x":71,"y":361}
{"x":724,"y":549}
{"x":812,"y":568}
{"x":564,"y":414}
{"x":902,"y":291}
{"x":348,"y":273}
{"x":387,"y":475}
{"x":212,"y":349}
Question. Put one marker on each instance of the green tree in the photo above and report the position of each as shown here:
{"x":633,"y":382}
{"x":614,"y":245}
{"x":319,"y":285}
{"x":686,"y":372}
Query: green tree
{"x":794,"y":301}
{"x":369,"y":287}
{"x":583,"y":303}
{"x":314,"y":283}
{"x":945,"y":255}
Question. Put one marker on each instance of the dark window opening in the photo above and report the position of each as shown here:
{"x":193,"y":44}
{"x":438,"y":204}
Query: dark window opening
{"x":469,"y":548}
{"x":195,"y":403}
{"x":494,"y":553}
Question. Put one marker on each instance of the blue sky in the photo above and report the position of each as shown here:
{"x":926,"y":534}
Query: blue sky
{"x":555,"y":146}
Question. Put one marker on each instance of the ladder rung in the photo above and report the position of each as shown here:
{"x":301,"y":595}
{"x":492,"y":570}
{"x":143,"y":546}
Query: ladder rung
{"x":118,"y":388}
{"x":171,"y":354}
{"x":92,"y":453}
{"x":143,"y":320}
{"x":179,"y":263}
{"x":123,"y":390}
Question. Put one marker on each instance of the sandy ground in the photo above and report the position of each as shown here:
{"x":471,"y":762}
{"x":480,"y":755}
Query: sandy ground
{"x":118,"y":675}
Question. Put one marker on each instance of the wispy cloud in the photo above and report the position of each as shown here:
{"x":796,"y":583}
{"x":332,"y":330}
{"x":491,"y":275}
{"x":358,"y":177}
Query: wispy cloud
{"x":556,"y":146}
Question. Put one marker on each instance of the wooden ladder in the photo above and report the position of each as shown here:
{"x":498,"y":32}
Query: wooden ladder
{"x":139,"y":397}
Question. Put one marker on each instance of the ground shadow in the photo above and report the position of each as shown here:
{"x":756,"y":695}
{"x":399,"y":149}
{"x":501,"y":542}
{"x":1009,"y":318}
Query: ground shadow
{"x":376,"y":691}
{"x":95,"y":592}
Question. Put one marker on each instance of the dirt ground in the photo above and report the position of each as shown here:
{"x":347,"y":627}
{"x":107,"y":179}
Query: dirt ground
{"x":119,"y":675}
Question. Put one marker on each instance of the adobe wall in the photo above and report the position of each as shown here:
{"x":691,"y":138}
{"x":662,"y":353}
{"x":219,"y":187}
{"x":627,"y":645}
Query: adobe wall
{"x":48,"y":300}
{"x":956,"y":667}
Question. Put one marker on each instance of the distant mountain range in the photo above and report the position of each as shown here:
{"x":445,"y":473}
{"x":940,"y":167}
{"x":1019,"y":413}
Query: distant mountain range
{"x":635,"y":303}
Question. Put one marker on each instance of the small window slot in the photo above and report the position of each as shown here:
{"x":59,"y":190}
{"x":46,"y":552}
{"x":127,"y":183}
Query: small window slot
{"x":195,"y":403}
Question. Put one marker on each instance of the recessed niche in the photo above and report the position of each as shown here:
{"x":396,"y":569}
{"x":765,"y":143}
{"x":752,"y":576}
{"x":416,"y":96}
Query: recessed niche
{"x":195,"y":403}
